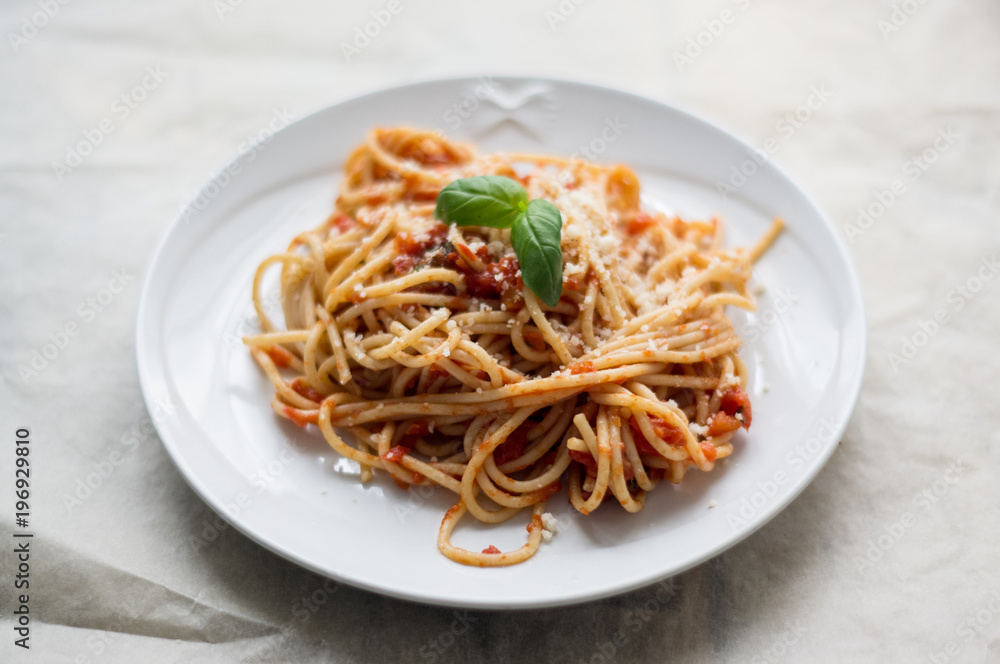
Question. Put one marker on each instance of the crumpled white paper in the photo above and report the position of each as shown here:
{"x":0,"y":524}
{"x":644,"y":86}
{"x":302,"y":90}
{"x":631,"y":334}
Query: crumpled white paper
{"x":888,"y":114}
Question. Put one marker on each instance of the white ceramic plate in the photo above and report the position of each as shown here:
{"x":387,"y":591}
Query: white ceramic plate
{"x":283,"y":486}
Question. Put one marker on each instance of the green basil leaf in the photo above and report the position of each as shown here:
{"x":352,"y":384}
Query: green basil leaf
{"x":537,"y":240}
{"x":484,"y":200}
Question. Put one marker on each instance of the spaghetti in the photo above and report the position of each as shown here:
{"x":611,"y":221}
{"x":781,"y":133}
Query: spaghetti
{"x":421,"y":341}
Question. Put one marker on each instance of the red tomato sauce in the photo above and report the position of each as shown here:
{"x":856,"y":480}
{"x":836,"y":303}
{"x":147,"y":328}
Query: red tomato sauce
{"x":670,"y":434}
{"x":735,"y":400}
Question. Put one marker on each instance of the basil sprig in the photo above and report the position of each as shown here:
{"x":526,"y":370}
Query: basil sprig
{"x":536,"y":226}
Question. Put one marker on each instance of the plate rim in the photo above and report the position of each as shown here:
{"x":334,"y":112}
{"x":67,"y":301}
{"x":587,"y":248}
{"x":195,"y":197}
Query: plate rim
{"x":851,"y":394}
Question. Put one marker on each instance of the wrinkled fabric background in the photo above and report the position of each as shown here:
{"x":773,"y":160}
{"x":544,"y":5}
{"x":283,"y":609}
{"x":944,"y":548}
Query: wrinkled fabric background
{"x":886,"y":556}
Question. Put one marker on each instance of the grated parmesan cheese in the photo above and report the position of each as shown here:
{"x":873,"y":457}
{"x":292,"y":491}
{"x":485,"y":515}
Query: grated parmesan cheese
{"x":698,"y":429}
{"x":549,"y":526}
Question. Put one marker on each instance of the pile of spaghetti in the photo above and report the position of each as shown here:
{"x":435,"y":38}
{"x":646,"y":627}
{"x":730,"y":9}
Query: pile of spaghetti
{"x":421,"y":341}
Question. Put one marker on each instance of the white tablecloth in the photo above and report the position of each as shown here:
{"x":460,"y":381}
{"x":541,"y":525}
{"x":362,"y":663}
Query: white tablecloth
{"x":112,"y":114}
